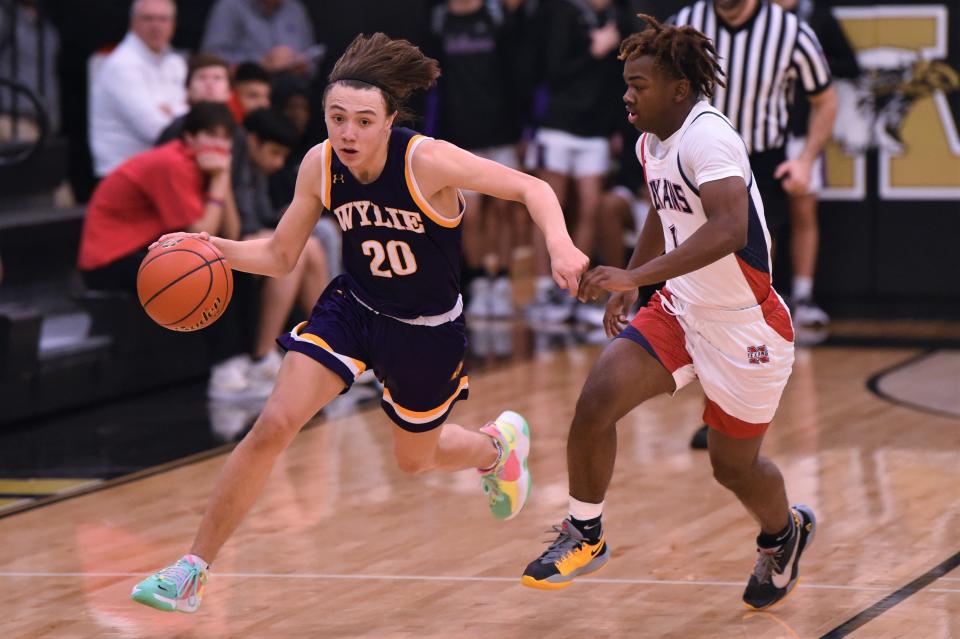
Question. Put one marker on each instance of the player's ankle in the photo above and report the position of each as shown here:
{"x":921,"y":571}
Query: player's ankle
{"x":591,"y":529}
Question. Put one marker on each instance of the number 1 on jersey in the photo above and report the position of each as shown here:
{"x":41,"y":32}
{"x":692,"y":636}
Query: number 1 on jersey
{"x":399,"y":254}
{"x":673,"y":234}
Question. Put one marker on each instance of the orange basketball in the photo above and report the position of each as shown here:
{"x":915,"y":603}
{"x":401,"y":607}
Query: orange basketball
{"x":184,"y":284}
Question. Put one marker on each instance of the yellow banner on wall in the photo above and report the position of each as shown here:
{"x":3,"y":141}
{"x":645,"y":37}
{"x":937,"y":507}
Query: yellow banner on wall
{"x":898,"y":106}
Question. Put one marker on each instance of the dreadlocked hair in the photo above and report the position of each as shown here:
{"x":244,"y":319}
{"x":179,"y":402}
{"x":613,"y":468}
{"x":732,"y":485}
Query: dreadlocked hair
{"x":683,"y":52}
{"x":396,"y":67}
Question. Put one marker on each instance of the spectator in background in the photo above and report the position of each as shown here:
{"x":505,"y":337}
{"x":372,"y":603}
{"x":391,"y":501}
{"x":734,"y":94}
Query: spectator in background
{"x":208,"y":80}
{"x":276,"y":33}
{"x":181,"y":185}
{"x":584,"y":84}
{"x":184,"y":184}
{"x":251,"y":90}
{"x":476,"y":43}
{"x":31,"y":71}
{"x":625,"y":204}
{"x":139,"y":88}
{"x":269,"y":139}
{"x":291,"y":99}
{"x":804,"y":227}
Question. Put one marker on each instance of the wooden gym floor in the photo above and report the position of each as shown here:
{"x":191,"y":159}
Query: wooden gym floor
{"x":343,"y":545}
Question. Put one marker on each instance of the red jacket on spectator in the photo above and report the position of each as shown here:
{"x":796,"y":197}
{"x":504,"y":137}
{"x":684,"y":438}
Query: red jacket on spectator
{"x":236,"y":108}
{"x":152,"y":193}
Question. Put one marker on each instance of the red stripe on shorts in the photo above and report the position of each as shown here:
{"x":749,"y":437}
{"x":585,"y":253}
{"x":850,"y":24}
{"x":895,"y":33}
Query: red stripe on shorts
{"x":664,"y":333}
{"x":716,"y":418}
{"x":774,"y":313}
{"x":758,"y":281}
{"x":776,"y":316}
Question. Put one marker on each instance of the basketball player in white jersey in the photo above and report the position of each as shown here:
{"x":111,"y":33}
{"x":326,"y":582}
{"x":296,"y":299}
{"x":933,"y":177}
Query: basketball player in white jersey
{"x":718,"y":317}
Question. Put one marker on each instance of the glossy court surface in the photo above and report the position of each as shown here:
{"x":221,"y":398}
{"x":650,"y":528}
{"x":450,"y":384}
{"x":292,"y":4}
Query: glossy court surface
{"x":342,"y":544}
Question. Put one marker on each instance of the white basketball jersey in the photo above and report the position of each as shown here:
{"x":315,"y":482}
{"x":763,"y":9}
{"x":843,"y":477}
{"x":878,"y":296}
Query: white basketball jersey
{"x":707,"y":148}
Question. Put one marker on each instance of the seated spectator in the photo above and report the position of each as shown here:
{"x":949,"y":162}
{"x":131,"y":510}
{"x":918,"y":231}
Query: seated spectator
{"x":291,"y":99}
{"x":184,"y":184}
{"x":31,"y":70}
{"x":269,"y":140}
{"x":139,"y":88}
{"x":276,"y":33}
{"x":251,"y":90}
{"x":208,"y":80}
{"x":181,"y":185}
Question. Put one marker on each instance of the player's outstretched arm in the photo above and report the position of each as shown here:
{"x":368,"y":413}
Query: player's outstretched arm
{"x":725,"y":205}
{"x":278,"y":254}
{"x":440,"y":165}
{"x":649,"y":245}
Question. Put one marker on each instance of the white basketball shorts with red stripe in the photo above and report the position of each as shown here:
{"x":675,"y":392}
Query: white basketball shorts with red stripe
{"x":743,"y":358}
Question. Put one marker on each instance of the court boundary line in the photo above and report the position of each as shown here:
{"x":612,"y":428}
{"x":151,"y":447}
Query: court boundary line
{"x":873,"y":385}
{"x":118,"y":481}
{"x":455,"y":578}
{"x":896,"y":597}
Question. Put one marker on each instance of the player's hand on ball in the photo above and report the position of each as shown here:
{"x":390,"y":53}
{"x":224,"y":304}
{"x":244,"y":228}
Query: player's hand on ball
{"x":605,"y":278}
{"x":616,"y":311}
{"x":179,"y":235}
{"x":568,"y":264}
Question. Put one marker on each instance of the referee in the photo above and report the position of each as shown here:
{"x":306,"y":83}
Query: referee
{"x":767,"y":54}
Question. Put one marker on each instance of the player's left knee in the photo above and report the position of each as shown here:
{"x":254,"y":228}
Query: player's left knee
{"x":731,"y":476}
{"x":592,"y":413}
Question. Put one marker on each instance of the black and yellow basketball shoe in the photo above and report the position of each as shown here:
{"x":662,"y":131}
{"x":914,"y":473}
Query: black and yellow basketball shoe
{"x":569,"y":556}
{"x":778,"y":569}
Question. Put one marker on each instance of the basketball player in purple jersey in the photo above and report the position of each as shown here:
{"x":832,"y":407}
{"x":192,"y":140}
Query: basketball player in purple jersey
{"x":397,"y":309}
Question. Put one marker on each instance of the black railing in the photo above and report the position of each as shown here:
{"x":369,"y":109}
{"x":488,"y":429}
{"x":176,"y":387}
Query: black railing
{"x":15,"y":150}
{"x":14,"y":91}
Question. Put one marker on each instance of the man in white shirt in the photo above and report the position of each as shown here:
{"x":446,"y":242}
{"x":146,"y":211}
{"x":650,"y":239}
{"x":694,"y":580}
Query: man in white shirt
{"x":138,"y":89}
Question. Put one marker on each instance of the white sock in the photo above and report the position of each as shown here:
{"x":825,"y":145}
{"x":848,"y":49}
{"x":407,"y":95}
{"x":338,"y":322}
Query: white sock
{"x":583,"y":511}
{"x":802,"y":287}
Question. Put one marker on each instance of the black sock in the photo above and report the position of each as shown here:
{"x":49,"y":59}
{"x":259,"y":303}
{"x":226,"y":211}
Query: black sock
{"x":589,"y":528}
{"x":776,"y":540}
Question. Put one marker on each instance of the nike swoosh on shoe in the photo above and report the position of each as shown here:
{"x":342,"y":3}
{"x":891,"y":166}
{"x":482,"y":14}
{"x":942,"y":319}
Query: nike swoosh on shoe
{"x":782,"y":579}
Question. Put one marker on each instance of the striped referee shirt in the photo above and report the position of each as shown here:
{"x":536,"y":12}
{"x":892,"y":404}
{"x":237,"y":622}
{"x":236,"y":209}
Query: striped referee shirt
{"x":763,"y":60}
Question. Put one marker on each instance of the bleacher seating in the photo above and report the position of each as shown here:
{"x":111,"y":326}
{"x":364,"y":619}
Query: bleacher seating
{"x":62,"y":347}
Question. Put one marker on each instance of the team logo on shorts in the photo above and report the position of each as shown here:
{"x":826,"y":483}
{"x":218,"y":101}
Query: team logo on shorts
{"x":758,"y":354}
